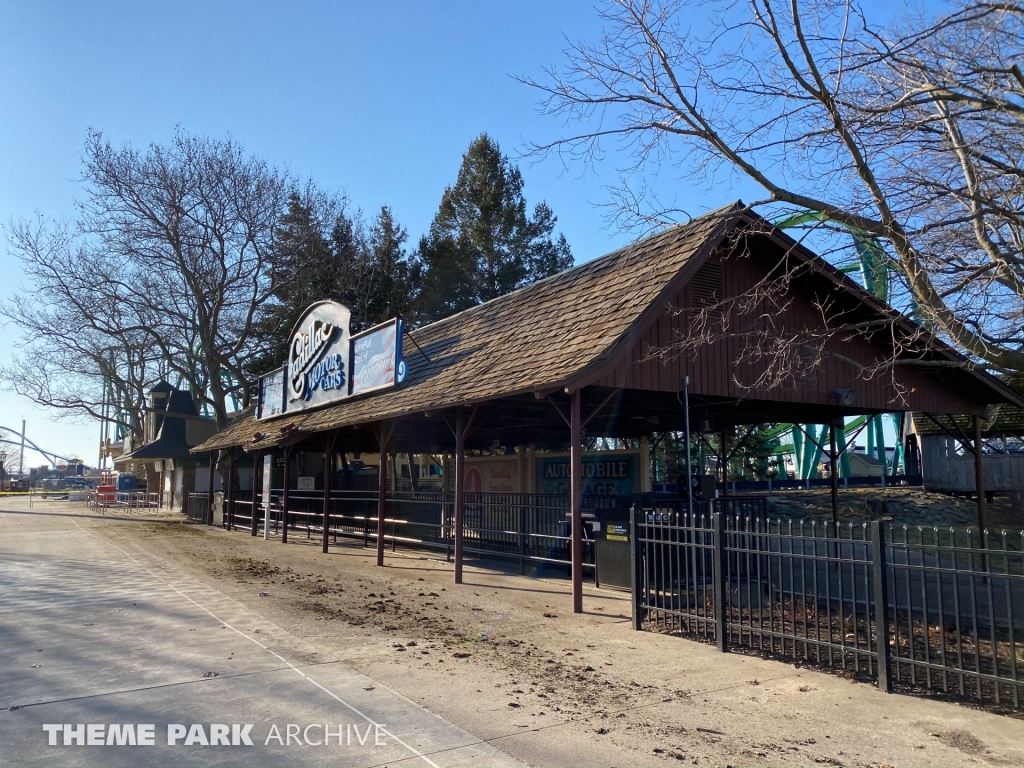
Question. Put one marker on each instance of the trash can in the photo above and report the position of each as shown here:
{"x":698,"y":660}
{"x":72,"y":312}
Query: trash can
{"x":612,"y":548}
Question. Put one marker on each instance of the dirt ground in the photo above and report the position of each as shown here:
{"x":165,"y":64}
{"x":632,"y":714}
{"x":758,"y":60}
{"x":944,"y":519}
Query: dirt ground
{"x":504,"y":657}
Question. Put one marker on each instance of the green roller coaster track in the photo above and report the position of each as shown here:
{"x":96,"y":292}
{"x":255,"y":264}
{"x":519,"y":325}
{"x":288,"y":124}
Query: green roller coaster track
{"x":807,"y":441}
{"x":227,"y":380}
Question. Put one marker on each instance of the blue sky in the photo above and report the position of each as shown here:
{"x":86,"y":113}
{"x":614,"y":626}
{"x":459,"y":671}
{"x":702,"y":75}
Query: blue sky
{"x":376,"y":99}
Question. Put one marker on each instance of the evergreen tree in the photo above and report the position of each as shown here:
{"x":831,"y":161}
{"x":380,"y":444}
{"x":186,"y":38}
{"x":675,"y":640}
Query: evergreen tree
{"x":323,"y":252}
{"x":482,"y":243}
{"x":383,"y":286}
{"x":304,"y":270}
{"x":753,"y":459}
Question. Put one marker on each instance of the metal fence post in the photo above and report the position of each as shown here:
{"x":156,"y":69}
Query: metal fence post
{"x":719,"y":584}
{"x":881,"y":606}
{"x":636,"y":561}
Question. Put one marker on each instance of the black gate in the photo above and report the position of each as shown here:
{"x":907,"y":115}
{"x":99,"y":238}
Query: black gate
{"x":197,"y":507}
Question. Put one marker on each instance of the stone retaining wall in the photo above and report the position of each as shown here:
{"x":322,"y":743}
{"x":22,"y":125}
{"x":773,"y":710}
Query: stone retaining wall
{"x":913,"y":506}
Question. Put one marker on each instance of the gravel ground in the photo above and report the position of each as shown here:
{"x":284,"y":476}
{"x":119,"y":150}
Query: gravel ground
{"x":503,"y":657}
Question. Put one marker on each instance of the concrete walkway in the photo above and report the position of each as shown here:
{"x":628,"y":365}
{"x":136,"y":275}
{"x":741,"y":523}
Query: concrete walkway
{"x":93,"y":634}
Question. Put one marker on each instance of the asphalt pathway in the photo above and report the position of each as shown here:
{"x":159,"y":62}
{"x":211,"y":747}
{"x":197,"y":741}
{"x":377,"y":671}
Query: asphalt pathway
{"x":92,"y":635}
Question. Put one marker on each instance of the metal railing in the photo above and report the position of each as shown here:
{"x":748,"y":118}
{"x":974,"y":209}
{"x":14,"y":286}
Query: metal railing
{"x":134,"y":499}
{"x":121,"y":499}
{"x":197,"y":507}
{"x":527,"y":528}
{"x":914,"y":608}
{"x":238,"y":511}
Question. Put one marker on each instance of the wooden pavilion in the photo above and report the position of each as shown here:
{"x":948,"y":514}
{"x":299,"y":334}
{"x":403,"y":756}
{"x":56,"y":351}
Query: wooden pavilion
{"x":1000,"y":431}
{"x":570,"y":356}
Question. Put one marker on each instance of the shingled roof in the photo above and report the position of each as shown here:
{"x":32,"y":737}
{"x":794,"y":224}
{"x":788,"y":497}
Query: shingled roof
{"x":552,"y":334}
{"x":171,"y":441}
{"x":536,"y":338}
{"x":1000,"y":419}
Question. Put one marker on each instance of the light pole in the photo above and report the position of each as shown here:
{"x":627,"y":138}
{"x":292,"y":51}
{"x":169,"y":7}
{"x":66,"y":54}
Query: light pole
{"x":21,"y":457}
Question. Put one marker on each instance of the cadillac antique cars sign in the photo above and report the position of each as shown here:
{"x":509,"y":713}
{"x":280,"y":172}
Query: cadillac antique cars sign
{"x":326,"y":364}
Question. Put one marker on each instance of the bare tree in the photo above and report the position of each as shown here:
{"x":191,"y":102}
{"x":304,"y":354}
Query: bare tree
{"x":909,"y":133}
{"x":167,"y":267}
{"x":80,"y":353}
{"x":6,"y":454}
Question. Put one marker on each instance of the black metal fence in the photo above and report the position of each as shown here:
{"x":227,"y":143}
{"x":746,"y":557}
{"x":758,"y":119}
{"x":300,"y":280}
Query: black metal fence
{"x":913,"y":608}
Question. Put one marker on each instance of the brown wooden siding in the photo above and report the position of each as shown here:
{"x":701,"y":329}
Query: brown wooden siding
{"x":715,"y":370}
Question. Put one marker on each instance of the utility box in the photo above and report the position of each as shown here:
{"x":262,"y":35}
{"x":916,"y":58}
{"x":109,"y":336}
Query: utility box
{"x":612,"y":548}
{"x":218,"y":508}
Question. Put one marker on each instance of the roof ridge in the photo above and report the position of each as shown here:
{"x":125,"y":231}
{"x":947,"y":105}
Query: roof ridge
{"x":618,"y":252}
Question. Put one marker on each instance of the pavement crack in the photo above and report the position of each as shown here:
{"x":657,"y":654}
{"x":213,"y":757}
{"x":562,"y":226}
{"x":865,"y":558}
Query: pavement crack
{"x":219,"y":678}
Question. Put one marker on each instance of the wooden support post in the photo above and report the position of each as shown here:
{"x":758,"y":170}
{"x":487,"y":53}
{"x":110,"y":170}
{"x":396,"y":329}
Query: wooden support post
{"x":834,"y":471}
{"x":328,"y":472}
{"x":285,"y":496}
{"x":209,"y":499}
{"x":460,"y":486}
{"x":576,"y":488}
{"x":229,"y":491}
{"x":257,"y":472}
{"x":979,"y":479}
{"x":383,"y":439}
